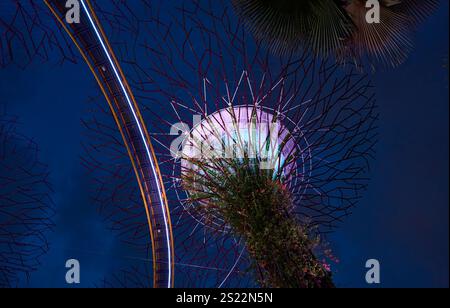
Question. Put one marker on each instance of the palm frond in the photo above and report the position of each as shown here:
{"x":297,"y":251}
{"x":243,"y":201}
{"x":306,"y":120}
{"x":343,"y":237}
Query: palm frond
{"x":288,"y":25}
{"x":387,"y":42}
{"x":416,"y":10}
{"x":336,"y":27}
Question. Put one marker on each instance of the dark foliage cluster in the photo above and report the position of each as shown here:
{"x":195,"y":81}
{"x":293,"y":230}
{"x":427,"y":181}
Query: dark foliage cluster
{"x":259,"y":208}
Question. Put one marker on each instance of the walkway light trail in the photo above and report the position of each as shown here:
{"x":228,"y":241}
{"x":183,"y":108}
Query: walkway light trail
{"x":96,"y":51}
{"x":140,"y":130}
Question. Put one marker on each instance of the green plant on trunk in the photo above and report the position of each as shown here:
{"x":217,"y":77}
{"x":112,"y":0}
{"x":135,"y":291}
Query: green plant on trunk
{"x":255,"y":205}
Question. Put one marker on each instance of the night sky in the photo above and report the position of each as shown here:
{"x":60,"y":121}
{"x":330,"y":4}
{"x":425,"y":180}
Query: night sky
{"x":402,"y":220}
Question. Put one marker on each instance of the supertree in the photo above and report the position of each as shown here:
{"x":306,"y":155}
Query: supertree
{"x":203,"y":80}
{"x":28,"y":33}
{"x":336,"y":27}
{"x":26,"y":208}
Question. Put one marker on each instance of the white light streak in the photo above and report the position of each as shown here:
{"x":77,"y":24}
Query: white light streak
{"x":147,"y":148}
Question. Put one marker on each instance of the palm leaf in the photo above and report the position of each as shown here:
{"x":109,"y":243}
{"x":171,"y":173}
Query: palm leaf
{"x":416,"y":10}
{"x":288,"y":25}
{"x":388,"y":42}
{"x":336,"y":27}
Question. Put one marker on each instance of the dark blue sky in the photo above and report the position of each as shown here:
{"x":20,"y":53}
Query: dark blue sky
{"x":402,"y":221}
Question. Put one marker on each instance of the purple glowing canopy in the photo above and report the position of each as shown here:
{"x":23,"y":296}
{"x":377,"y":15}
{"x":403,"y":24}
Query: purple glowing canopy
{"x":240,"y":132}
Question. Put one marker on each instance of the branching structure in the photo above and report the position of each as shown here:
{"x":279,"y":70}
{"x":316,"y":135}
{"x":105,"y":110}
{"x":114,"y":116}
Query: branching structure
{"x":28,"y":32}
{"x":135,"y":277}
{"x":203,"y":62}
{"x":25,"y":205}
{"x":115,"y":191}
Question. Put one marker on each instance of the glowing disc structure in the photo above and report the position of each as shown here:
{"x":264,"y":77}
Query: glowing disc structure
{"x":240,"y":133}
